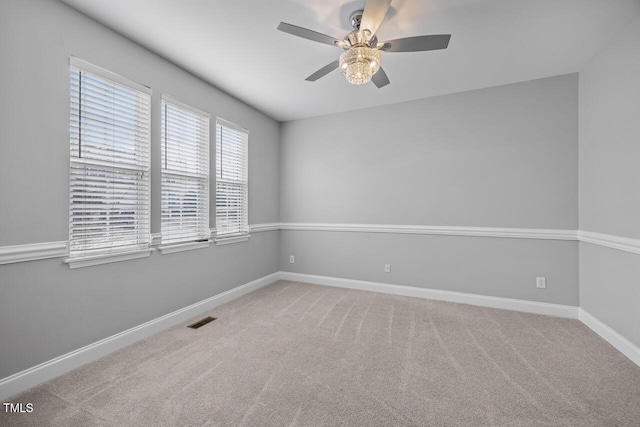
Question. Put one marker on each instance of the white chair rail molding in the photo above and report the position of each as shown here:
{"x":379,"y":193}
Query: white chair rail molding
{"x":45,"y":250}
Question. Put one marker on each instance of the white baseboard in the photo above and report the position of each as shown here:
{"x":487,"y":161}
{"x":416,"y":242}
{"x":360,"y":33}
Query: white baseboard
{"x":435,"y":294}
{"x":31,"y":377}
{"x":622,"y":344}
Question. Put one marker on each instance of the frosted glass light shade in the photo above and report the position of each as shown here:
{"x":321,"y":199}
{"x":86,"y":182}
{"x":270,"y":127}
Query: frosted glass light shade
{"x":359,"y":64}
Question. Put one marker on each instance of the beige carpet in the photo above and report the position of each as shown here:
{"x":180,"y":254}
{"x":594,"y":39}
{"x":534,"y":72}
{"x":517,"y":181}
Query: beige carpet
{"x":294,"y":354}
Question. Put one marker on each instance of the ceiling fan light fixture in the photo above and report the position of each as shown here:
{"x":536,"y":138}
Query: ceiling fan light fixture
{"x":359,"y":63}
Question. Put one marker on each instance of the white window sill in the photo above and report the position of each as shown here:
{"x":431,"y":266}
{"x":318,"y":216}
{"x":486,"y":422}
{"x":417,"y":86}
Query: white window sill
{"x":231,"y":239}
{"x":181,"y":247}
{"x":88,"y":261}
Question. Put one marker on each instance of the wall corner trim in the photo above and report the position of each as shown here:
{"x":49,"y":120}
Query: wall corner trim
{"x":33,"y":251}
{"x":535,"y":307}
{"x":31,"y":377}
{"x":622,"y":344}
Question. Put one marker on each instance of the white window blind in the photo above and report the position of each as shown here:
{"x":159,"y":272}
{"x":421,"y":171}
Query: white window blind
{"x":185,"y":173}
{"x":109,"y":174}
{"x":232,"y":215}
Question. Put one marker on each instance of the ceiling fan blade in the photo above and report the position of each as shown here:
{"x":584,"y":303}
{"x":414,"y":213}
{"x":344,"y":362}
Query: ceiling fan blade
{"x":416,"y":44}
{"x":310,"y":35}
{"x":380,"y":78}
{"x":323,"y":71}
{"x":374,"y":13}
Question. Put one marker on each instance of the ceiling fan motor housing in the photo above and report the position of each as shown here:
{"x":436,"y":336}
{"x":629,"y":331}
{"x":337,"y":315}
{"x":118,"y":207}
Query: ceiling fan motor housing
{"x":357,"y":37}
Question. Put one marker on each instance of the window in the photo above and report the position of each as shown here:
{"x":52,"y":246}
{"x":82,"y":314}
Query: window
{"x":185,"y":173}
{"x":109,"y":173}
{"x":231,"y":179}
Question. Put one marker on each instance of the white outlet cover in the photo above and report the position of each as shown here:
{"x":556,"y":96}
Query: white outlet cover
{"x":387,"y":268}
{"x":541,"y":282}
{"x":292,"y":259}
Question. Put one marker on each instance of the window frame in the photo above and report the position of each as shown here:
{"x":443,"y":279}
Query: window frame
{"x":204,"y":240}
{"x":88,"y":256}
{"x":242,"y":234}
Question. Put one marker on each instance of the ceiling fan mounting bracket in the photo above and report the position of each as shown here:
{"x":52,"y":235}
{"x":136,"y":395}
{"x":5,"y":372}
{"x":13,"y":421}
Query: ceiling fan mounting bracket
{"x":355,"y":18}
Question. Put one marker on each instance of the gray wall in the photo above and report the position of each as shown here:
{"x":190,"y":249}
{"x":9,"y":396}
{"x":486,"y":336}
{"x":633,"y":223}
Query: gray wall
{"x":498,"y":157}
{"x":46,"y":309}
{"x":485,"y":266}
{"x":610,"y":181}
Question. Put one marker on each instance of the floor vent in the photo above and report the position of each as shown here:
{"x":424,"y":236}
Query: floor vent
{"x":202,"y":322}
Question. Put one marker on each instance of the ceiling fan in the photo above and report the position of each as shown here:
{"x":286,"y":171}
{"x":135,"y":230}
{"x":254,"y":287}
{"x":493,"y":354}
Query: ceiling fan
{"x":360,"y":61}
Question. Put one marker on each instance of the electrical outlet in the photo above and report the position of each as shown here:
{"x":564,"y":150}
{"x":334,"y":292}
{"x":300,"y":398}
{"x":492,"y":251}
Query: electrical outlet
{"x":387,"y":268}
{"x":541,"y":282}
{"x":292,"y":259}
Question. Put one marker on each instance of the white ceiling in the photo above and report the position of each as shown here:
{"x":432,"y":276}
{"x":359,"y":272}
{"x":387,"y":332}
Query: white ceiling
{"x":234,"y":45}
